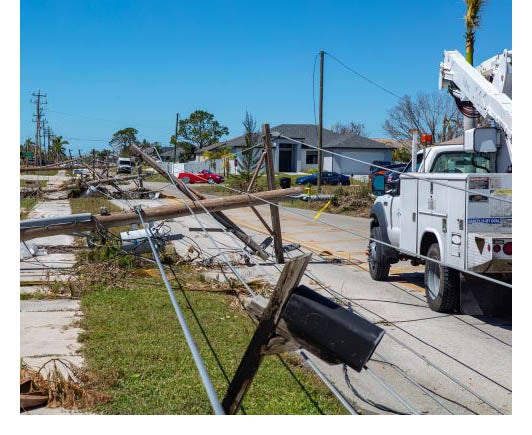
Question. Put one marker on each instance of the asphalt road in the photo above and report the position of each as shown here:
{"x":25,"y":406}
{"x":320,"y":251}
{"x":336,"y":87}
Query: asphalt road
{"x":439,"y":363}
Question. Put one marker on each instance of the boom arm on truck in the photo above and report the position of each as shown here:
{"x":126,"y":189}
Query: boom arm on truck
{"x":488,"y":87}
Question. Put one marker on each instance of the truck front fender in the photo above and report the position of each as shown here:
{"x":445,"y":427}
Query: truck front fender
{"x":378,"y":219}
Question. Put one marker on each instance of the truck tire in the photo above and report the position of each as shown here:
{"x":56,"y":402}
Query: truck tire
{"x":379,"y":263}
{"x":442,"y":284}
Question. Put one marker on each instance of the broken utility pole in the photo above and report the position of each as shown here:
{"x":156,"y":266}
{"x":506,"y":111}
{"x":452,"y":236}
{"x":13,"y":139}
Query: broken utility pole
{"x":194,"y":196}
{"x":31,"y":229}
{"x":249,"y":365}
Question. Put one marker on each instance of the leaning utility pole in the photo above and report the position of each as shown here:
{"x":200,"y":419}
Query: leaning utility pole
{"x":37,"y":120}
{"x":320,"y":129}
{"x":274,"y":210}
{"x":175,"y":144}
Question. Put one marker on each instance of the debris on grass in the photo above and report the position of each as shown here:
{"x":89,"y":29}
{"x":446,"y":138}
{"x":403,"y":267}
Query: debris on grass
{"x":59,"y":382}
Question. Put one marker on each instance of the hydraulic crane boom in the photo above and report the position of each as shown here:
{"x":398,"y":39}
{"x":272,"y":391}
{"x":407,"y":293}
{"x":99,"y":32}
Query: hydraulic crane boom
{"x":488,"y":87}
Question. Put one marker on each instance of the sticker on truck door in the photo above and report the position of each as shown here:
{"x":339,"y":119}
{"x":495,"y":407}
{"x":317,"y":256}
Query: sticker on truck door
{"x":479,"y":183}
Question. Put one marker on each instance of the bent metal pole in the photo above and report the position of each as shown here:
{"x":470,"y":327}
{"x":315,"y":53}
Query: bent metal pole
{"x":42,"y":227}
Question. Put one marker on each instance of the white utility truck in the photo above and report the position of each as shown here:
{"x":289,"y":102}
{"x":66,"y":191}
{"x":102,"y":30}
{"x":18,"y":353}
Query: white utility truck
{"x":454,"y":205}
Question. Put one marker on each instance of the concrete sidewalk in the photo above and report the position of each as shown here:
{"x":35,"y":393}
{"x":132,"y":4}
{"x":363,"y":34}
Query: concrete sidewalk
{"x":47,"y":327}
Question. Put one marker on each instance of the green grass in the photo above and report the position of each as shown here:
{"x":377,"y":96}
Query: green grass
{"x":31,"y":183}
{"x":133,"y":339}
{"x":92,"y":205}
{"x":44,"y":172}
{"x":155,"y":177}
{"x":26,"y":204}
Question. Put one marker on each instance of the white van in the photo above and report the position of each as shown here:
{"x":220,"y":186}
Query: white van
{"x":125,"y":165}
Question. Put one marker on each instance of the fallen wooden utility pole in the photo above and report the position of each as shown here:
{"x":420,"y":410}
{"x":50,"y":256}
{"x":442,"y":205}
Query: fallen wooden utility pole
{"x":89,"y":183}
{"x":194,"y":196}
{"x":32,"y":229}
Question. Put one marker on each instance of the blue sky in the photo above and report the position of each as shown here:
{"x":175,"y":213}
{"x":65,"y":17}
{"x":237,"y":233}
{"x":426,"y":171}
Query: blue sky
{"x":110,"y":64}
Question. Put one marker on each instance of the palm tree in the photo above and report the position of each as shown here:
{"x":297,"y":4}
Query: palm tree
{"x":472,"y":22}
{"x":58,"y":148}
{"x":226,"y":156}
{"x":211,"y":157}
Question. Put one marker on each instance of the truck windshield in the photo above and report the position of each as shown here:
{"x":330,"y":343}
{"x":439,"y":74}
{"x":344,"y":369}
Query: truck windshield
{"x":462,"y":163}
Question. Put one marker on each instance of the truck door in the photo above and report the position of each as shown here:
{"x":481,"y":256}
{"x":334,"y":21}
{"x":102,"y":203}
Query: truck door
{"x":407,"y":217}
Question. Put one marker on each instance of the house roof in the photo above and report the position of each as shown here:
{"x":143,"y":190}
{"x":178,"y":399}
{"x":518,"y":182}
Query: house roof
{"x":355,"y":141}
{"x":309,"y":134}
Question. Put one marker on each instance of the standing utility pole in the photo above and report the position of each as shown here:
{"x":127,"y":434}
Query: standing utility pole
{"x":37,"y":120}
{"x":175,"y":144}
{"x":320,"y":129}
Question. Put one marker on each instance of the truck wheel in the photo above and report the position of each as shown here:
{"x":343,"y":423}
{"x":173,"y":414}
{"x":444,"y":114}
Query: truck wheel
{"x":379,"y":264}
{"x":442,"y":284}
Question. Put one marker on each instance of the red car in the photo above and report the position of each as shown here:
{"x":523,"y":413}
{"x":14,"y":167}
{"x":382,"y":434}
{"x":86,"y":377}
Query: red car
{"x":202,"y":176}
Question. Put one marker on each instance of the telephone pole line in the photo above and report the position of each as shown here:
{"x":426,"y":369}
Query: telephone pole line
{"x":175,"y":144}
{"x":38,"y":114}
{"x":320,"y":129}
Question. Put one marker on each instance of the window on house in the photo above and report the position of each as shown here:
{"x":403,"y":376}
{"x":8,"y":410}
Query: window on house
{"x":312,"y":158}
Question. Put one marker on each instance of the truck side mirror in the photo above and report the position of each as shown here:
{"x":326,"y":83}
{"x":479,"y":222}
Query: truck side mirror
{"x":378,"y":185}
{"x":481,"y":140}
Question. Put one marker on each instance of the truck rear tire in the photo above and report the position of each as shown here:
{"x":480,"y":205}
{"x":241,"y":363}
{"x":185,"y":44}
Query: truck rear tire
{"x":442,"y":284}
{"x":379,"y":263}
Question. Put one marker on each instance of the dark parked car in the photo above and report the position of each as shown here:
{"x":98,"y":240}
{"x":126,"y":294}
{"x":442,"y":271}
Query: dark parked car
{"x":332,"y":178}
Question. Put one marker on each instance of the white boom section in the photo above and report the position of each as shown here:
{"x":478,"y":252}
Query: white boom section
{"x":488,"y":99}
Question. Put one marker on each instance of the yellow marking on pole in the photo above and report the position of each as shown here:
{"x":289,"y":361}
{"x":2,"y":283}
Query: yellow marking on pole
{"x":323,"y":209}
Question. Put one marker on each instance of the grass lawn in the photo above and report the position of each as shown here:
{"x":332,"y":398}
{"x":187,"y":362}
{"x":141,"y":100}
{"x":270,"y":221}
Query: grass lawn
{"x":92,"y":205}
{"x":44,"y":172}
{"x":156,"y":177}
{"x":133,"y":337}
{"x":26,"y":204}
{"x":40,"y":183}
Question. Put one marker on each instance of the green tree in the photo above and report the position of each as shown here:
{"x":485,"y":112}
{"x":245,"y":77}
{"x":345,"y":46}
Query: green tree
{"x":211,"y":157}
{"x":123,"y":138}
{"x":57,"y":149}
{"x":201,"y":129}
{"x":226,"y":156}
{"x":250,"y":156}
{"x":187,"y":150}
{"x":472,"y":22}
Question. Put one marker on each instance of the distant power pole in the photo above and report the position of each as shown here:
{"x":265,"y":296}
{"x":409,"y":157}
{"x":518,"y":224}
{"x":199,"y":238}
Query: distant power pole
{"x":79,"y":152}
{"x":70,"y":153}
{"x":320,"y":129}
{"x":176,"y":128}
{"x":37,"y":120}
